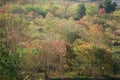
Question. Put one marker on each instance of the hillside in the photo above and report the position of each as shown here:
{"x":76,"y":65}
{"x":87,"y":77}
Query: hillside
{"x":59,"y":40}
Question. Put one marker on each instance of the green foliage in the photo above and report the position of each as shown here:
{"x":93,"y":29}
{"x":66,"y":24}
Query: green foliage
{"x":25,"y":9}
{"x":69,"y":32}
{"x":81,"y":11}
{"x":91,"y":60}
{"x":100,"y":5}
{"x":116,"y":14}
{"x":51,"y":8}
{"x":109,"y":6}
{"x":116,"y":58}
{"x":36,"y":8}
{"x":15,"y":9}
{"x":91,"y":10}
{"x":8,"y":65}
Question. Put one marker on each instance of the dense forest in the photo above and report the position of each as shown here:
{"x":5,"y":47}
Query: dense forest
{"x":48,"y":39}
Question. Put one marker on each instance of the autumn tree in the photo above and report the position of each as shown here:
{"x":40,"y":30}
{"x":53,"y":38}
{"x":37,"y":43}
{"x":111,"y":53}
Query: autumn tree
{"x":92,"y":60}
{"x":11,"y":29}
{"x":52,"y":57}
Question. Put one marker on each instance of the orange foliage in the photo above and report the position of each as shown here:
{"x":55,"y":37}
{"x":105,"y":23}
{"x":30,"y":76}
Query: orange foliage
{"x":49,"y":15}
{"x":83,"y":21}
{"x":97,"y":29}
{"x":86,"y":45}
{"x":33,"y":14}
{"x":48,"y":4}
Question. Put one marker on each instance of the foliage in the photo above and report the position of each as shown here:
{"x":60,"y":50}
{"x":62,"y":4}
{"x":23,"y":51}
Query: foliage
{"x":35,"y":8}
{"x":102,"y":11}
{"x":2,"y":2}
{"x":8,"y":65}
{"x":91,"y":10}
{"x":42,"y":39}
{"x":52,"y":57}
{"x":100,"y":5}
{"x":81,"y":11}
{"x":25,"y":9}
{"x":15,"y":9}
{"x":91,"y":59}
{"x":9,"y":57}
{"x":108,"y":5}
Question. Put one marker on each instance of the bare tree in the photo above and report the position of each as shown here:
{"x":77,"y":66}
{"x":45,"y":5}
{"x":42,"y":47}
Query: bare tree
{"x":52,"y":57}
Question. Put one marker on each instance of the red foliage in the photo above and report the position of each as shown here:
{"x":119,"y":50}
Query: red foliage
{"x":2,"y":11}
{"x":102,"y":11}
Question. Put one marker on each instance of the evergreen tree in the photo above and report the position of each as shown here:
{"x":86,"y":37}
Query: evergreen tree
{"x":81,"y":11}
{"x":109,"y":6}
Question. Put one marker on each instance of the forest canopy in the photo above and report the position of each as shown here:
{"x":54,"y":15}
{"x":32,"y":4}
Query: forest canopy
{"x":49,"y":39}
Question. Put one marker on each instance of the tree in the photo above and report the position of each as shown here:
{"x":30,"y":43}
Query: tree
{"x":10,"y":31}
{"x":92,"y":60}
{"x":65,"y":5}
{"x":8,"y":64}
{"x":52,"y":57}
{"x":109,"y":6}
{"x":2,"y":2}
{"x":81,"y":11}
{"x":100,"y":5}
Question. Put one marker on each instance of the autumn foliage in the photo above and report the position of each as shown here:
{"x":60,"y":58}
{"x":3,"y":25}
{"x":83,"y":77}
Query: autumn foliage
{"x":47,"y":39}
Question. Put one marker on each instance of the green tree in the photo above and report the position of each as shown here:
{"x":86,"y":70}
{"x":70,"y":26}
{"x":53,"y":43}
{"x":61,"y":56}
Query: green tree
{"x":8,"y":64}
{"x":100,"y":5}
{"x":109,"y":6}
{"x":81,"y":11}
